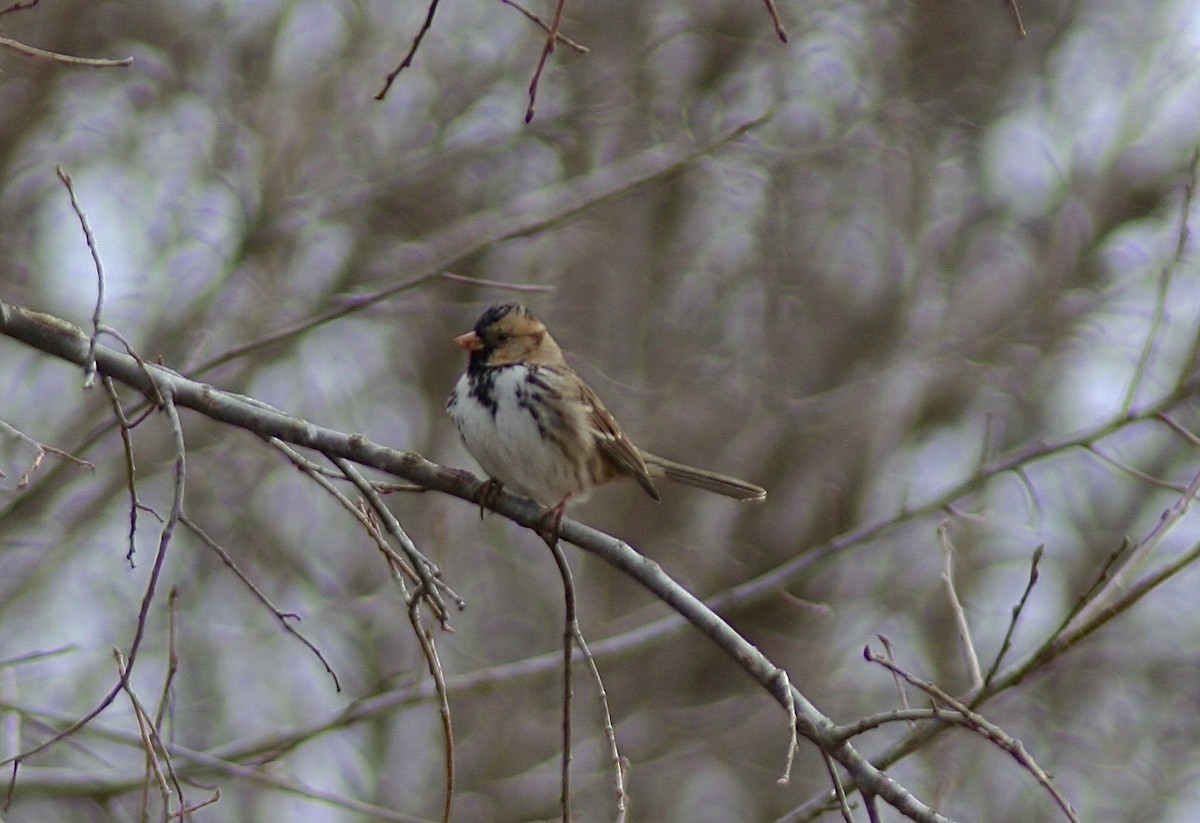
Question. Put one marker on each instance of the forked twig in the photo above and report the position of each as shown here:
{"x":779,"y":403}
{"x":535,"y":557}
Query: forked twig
{"x":547,"y":50}
{"x":562,"y":38}
{"x":982,"y":726}
{"x":285,"y":618}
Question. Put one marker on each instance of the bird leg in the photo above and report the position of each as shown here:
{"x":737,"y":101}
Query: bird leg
{"x":551,"y":519}
{"x":487,"y":493}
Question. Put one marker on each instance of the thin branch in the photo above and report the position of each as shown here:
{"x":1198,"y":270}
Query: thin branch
{"x":570,"y":631}
{"x":135,"y":503}
{"x":164,"y":699}
{"x":151,"y":744}
{"x":89,"y":368}
{"x":1016,"y":13}
{"x":40,"y":450}
{"x":19,"y":6}
{"x":1165,"y":278}
{"x":492,"y":284}
{"x":427,"y":571}
{"x":910,"y":716}
{"x":1111,"y":564}
{"x":1169,"y":518}
{"x":1006,"y":644}
{"x":64,"y":59}
{"x":36,"y":655}
{"x":433,"y":661}
{"x":956,"y":607}
{"x":780,"y":31}
{"x":204,"y":763}
{"x":1179,"y":429}
{"x":547,"y":50}
{"x":1136,"y":473}
{"x":283,"y":617}
{"x":360,"y":514}
{"x":562,"y":38}
{"x":793,"y":740}
{"x":412,"y":51}
{"x":901,"y":694}
{"x":979,"y":724}
{"x":839,"y":790}
{"x":610,"y":734}
{"x":165,"y":535}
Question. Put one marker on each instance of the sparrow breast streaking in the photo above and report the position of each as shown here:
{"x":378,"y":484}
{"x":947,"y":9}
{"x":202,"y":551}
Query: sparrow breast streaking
{"x":535,"y":426}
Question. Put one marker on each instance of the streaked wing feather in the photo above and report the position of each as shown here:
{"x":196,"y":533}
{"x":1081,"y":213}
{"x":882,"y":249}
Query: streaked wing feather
{"x":613,"y":443}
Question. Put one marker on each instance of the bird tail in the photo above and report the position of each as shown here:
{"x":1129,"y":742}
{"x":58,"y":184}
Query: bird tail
{"x":701,"y":479}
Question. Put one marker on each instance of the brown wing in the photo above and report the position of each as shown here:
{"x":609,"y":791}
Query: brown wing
{"x":613,"y":443}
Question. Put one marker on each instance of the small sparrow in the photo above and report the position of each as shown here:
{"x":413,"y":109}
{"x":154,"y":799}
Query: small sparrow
{"x":537,"y":428}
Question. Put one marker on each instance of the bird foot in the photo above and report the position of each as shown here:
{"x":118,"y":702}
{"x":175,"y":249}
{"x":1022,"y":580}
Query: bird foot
{"x":551,"y":521}
{"x":487,"y":493}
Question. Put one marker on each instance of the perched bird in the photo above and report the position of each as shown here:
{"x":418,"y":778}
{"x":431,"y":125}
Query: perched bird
{"x":537,"y":428}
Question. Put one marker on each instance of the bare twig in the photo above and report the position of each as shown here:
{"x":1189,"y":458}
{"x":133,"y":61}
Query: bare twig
{"x":151,"y":745}
{"x":1171,"y":516}
{"x":135,"y":503}
{"x":492,"y":284}
{"x":1016,"y":13}
{"x":319,"y":476}
{"x":547,"y":50}
{"x":183,"y":812}
{"x":570,"y":631}
{"x":1165,"y":278}
{"x":910,"y":716}
{"x":168,"y":530}
{"x":65,"y":59}
{"x":901,"y":694}
{"x":983,"y":727}
{"x":839,"y":790}
{"x":89,"y":368}
{"x":36,"y":655}
{"x":19,"y":6}
{"x":780,"y":31}
{"x":1006,"y":644}
{"x":427,"y":571}
{"x":285,"y":618}
{"x":429,"y":649}
{"x":1179,"y":429}
{"x":412,"y":51}
{"x":960,"y":616}
{"x":40,"y":450}
{"x":164,"y":699}
{"x":1111,"y":563}
{"x":1137,"y":473}
{"x":793,"y":740}
{"x":610,"y":734}
{"x":562,"y":38}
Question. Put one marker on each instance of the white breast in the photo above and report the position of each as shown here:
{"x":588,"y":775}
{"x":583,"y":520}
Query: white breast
{"x":508,"y":443}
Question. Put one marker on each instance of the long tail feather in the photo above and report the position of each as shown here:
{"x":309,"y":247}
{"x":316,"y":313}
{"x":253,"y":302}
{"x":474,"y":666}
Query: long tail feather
{"x":701,"y":479}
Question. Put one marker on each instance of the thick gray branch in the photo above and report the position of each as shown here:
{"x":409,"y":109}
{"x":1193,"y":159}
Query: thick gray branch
{"x":63,"y":340}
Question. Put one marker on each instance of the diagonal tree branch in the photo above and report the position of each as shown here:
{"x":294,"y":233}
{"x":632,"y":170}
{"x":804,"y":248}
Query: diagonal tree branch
{"x":61,"y":339}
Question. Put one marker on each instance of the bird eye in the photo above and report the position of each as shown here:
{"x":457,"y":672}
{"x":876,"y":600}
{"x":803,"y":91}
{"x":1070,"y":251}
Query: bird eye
{"x":502,"y":337}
